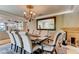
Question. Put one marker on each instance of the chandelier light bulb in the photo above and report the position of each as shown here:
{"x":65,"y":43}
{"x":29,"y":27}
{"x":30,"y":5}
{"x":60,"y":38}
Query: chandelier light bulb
{"x":34,"y":13}
{"x":31,"y":12}
{"x":24,"y":13}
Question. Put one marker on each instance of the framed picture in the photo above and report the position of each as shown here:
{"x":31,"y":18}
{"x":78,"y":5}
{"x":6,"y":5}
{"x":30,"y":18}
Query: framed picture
{"x":46,"y":23}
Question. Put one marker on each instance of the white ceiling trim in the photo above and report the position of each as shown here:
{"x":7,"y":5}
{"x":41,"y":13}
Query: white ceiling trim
{"x":74,"y":8}
{"x":55,"y":14}
{"x":60,"y":13}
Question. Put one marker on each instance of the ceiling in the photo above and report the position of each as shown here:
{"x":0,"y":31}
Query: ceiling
{"x":39,"y":9}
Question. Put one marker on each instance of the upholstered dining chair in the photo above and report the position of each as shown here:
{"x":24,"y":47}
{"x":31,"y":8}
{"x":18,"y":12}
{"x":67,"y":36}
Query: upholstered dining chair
{"x":51,"y":46}
{"x":12,"y":39}
{"x":28,"y":46}
{"x":19,"y":42}
{"x":64,"y":37}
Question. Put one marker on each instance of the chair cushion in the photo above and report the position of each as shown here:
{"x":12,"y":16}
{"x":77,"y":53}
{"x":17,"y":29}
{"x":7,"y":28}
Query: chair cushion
{"x":35,"y":47}
{"x":48,"y":48}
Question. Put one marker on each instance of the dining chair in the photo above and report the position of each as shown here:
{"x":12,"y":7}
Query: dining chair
{"x":64,"y":37}
{"x":12,"y":39}
{"x":51,"y":46}
{"x":19,"y":42}
{"x":28,"y":46}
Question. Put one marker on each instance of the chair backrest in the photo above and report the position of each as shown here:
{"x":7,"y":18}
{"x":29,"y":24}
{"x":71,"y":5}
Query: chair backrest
{"x":20,"y":38}
{"x":64,"y":36}
{"x":60,"y":36}
{"x":11,"y":37}
{"x":57,"y":36}
{"x":18,"y":41}
{"x":27,"y":41}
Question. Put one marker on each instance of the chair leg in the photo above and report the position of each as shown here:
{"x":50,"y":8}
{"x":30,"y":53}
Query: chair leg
{"x":24,"y":51}
{"x":21,"y":50}
{"x":15,"y":47}
{"x":11,"y":46}
{"x":42,"y":50}
{"x":54,"y":50}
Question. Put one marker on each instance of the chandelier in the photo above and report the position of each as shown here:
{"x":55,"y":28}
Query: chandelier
{"x":29,"y":14}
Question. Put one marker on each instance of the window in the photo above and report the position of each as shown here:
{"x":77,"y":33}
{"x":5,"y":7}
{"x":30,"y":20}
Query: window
{"x":2,"y":27}
{"x":20,"y":26}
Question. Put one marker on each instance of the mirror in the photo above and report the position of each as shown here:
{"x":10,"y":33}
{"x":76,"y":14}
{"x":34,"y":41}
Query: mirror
{"x":46,"y":23}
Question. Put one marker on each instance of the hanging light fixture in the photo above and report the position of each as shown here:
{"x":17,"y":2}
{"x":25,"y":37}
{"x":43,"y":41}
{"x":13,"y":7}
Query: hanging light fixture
{"x":29,"y":14}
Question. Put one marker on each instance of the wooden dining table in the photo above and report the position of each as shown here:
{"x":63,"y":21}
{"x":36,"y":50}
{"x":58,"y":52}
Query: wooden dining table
{"x":38,"y":38}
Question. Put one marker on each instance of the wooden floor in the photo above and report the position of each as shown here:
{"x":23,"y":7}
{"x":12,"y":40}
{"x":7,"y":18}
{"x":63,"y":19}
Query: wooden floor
{"x":4,"y":41}
{"x":5,"y":48}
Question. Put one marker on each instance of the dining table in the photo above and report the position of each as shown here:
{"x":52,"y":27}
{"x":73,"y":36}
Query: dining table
{"x":38,"y":38}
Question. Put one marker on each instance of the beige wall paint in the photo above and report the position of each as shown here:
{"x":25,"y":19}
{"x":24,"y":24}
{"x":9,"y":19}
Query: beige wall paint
{"x":59,"y":22}
{"x":32,"y":26}
{"x":65,"y":20}
{"x":71,"y":20}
